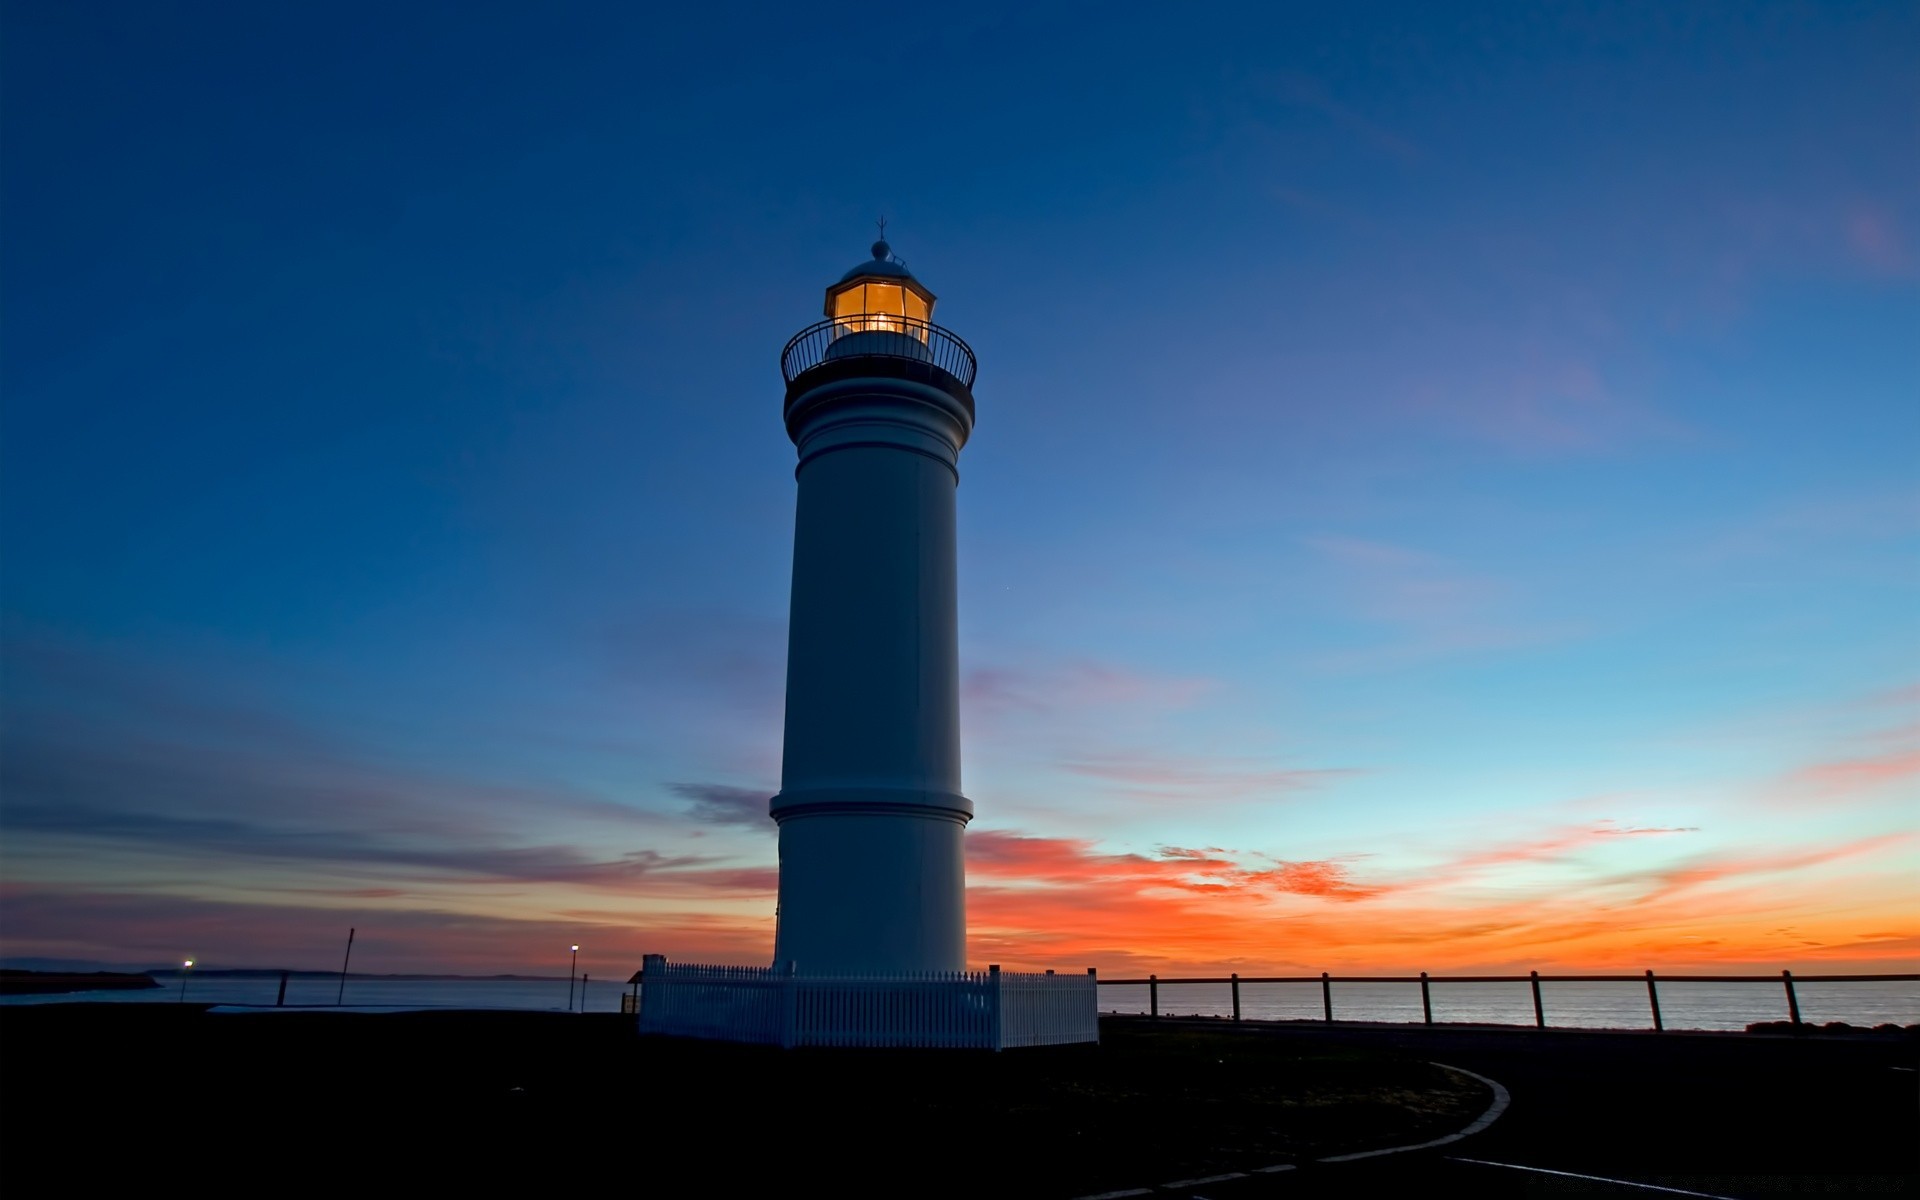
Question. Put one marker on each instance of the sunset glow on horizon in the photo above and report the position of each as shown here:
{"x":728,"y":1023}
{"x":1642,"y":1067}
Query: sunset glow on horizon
{"x":1446,"y":493}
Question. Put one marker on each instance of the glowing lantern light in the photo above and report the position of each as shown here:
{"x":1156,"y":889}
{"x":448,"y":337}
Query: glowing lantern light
{"x":880,"y":296}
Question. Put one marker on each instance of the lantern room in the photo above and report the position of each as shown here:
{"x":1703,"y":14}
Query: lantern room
{"x":880,"y":296}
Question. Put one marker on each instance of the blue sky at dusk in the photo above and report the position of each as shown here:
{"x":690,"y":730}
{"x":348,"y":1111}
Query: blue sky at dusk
{"x":1446,"y":490}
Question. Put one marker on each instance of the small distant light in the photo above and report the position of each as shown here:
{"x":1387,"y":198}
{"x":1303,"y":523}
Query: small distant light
{"x":187,"y":963}
{"x":576,"y":947}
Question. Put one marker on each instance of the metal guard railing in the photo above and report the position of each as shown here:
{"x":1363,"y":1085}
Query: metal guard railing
{"x":1326,"y":981}
{"x":881,"y":336}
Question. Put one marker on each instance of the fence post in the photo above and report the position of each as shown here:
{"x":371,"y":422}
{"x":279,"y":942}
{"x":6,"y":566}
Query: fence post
{"x":1793,"y":1001}
{"x":1426,"y":999}
{"x":1093,"y":984}
{"x":1326,"y":995}
{"x":1653,"y":1000}
{"x":993,"y":988}
{"x":282,"y":997}
{"x":653,"y":975}
{"x":1539,"y":1012}
{"x":789,"y":1008}
{"x":1153,"y":996}
{"x":1236,"y":995}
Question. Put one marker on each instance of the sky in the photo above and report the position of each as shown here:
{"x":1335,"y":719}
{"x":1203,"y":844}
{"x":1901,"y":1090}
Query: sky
{"x":1446,"y":492}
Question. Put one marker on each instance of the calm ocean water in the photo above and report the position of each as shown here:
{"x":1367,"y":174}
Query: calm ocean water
{"x":1586,"y":1005}
{"x":1591,"y":1005}
{"x":532,"y":994}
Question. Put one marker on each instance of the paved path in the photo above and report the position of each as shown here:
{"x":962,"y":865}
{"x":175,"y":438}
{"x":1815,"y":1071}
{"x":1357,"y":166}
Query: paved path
{"x":1729,"y":1115}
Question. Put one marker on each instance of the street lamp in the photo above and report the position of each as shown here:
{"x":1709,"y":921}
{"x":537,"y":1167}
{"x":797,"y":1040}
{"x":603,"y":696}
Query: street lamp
{"x":186,"y":968}
{"x":570,"y":968}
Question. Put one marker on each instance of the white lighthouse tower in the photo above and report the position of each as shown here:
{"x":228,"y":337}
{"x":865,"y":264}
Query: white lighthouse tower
{"x":879,"y":403}
{"x":871,"y":946}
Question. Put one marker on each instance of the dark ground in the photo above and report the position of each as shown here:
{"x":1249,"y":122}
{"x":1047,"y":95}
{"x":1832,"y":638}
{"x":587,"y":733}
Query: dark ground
{"x":542,"y":1098}
{"x":167,"y":1097}
{"x":50,"y":983}
{"x":1725,"y":1114}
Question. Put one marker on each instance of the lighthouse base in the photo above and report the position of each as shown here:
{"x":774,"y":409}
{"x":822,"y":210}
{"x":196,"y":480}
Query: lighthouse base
{"x":982,"y":1010}
{"x":868,"y":888}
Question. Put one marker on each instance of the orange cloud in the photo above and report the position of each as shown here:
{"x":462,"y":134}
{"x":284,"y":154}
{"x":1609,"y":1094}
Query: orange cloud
{"x":1047,"y":901}
{"x":1037,"y":901}
{"x":1858,"y":774}
{"x":1329,"y":879}
{"x":1875,"y":241}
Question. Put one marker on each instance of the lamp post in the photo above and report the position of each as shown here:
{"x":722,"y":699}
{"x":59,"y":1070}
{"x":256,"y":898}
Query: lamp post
{"x":186,"y":969}
{"x":570,"y":968}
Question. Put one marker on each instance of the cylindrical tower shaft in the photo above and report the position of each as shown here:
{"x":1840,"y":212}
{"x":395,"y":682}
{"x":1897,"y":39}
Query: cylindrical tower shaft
{"x":872,"y":876}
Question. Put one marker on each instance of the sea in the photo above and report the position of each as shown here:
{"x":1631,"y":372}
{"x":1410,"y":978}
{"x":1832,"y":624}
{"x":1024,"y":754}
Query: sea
{"x":384,"y":992}
{"x":1565,"y":1005}
{"x":1718,"y":1006}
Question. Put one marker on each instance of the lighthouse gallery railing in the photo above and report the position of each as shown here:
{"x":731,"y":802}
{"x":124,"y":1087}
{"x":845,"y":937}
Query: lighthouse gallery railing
{"x":878,"y":335}
{"x":989,"y":1010}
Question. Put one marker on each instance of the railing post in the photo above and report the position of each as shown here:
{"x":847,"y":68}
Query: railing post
{"x":281,"y":999}
{"x":1426,"y":999}
{"x":1539,"y":1011}
{"x":993,"y":989}
{"x":1793,"y":1001}
{"x":1326,"y":995}
{"x":1653,"y":1001}
{"x":1236,"y":995}
{"x":1093,"y":983}
{"x":1153,"y":996}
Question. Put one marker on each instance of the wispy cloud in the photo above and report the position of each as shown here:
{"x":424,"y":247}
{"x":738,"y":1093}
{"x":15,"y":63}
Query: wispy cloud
{"x":1836,"y":233}
{"x":1331,"y":880}
{"x":726,"y":660}
{"x":118,"y":773}
{"x":1314,"y":95}
{"x":1551,"y":847}
{"x":1795,"y":526}
{"x":722,"y":804}
{"x":1907,"y":696}
{"x":1550,"y":406}
{"x":1040,"y":899}
{"x":1847,"y":776}
{"x":151,"y":928}
{"x":1075,"y":686}
{"x":383,"y":854}
{"x":1173,"y":777}
{"x":1656,"y":885}
{"x":1438,"y":608}
{"x":1876,"y":241}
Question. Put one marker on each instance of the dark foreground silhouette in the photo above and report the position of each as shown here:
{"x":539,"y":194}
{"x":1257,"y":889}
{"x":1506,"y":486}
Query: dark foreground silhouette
{"x":392,"y":1103}
{"x":558,"y":1100}
{"x":52,"y":983}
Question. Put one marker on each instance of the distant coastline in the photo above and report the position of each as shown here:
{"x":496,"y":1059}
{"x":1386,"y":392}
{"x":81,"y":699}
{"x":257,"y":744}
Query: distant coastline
{"x":352,"y":976}
{"x":49,"y":983}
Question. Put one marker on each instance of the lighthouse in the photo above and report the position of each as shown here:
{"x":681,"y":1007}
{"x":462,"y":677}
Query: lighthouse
{"x":879,"y":403}
{"x":870,"y":945}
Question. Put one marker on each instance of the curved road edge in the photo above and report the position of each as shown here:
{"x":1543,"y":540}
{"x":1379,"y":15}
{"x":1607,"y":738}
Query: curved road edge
{"x":1501,"y":1098}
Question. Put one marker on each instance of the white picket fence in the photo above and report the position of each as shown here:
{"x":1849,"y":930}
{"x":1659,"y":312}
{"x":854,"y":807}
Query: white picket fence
{"x":991,"y":1009}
